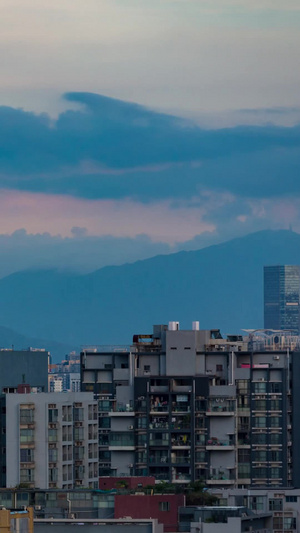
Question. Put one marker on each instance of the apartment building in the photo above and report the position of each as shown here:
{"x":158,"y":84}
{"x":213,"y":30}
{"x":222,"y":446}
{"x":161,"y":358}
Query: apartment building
{"x":108,"y":372}
{"x":191,"y":405}
{"x":49,"y":440}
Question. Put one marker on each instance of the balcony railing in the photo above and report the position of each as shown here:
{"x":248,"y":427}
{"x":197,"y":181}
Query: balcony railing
{"x":163,"y":408}
{"x":159,"y":442}
{"x":158,"y":425}
{"x":158,"y":459}
{"x":180,"y":442}
{"x":180,"y":408}
{"x":181,"y":460}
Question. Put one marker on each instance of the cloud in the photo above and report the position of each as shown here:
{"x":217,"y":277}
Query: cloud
{"x":126,"y":218}
{"x":110,"y":149}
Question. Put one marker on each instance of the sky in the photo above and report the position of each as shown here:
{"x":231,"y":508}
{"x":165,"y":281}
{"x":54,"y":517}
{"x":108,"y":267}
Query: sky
{"x":130,"y":128}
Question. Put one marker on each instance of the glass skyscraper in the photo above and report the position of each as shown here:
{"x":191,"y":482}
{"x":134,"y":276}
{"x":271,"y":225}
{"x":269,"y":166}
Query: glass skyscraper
{"x":281,"y":297}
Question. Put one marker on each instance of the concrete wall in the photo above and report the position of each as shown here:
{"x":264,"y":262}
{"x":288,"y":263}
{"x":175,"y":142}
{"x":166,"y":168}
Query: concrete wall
{"x":146,"y":506}
{"x":181,"y":353}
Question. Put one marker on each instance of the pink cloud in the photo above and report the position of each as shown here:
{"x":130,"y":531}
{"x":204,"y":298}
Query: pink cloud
{"x":58,"y":214}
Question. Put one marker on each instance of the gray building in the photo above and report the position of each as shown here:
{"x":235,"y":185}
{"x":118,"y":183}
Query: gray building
{"x":281,"y":297}
{"x":23,"y":366}
{"x":49,"y":440}
{"x":108,"y":372}
{"x":283,"y":504}
{"x":191,"y":405}
{"x":220,"y":519}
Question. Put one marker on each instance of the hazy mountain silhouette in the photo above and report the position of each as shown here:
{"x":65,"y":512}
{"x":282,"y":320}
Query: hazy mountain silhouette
{"x":11,"y":339}
{"x":221,"y":286}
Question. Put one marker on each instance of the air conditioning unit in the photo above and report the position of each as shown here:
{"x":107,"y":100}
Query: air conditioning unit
{"x":37,"y":507}
{"x":130,"y":427}
{"x":130,"y":465}
{"x":276,"y":357}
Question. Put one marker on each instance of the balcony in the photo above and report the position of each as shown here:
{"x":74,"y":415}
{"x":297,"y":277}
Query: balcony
{"x":159,"y":388}
{"x":181,"y":477}
{"x":158,"y":459}
{"x":182,"y":442}
{"x":220,"y":407}
{"x":220,"y":447}
{"x":162,"y":408}
{"x":159,"y":442}
{"x":181,"y":459}
{"x":214,"y":444}
{"x":178,"y":407}
{"x":121,"y":441}
{"x":220,"y":477}
{"x":121,"y":409}
{"x":158,"y":425}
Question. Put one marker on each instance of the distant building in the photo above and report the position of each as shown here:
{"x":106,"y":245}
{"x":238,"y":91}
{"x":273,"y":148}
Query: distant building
{"x":49,"y":440}
{"x":23,"y":366}
{"x":65,"y":376}
{"x":282,"y":298}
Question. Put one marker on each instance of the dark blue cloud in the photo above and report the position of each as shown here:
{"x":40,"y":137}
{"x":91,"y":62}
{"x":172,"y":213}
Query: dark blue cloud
{"x":152,"y":154}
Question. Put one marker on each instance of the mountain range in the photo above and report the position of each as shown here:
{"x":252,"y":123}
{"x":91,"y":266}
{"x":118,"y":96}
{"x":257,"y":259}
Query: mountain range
{"x":221,"y":286}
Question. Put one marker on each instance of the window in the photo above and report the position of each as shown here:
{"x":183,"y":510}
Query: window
{"x":219,"y":368}
{"x":244,"y":471}
{"x":275,"y":473}
{"x":260,"y":456}
{"x":93,"y":412}
{"x":260,"y":473}
{"x":26,"y":475}
{"x":26,"y":416}
{"x":275,"y":422}
{"x":276,"y":387}
{"x":147,"y":368}
{"x":78,"y":414}
{"x":286,"y":524}
{"x":275,"y":505}
{"x":104,"y":405}
{"x":275,"y":455}
{"x":259,"y":438}
{"x":26,"y":435}
{"x":275,"y":438}
{"x":244,"y":456}
{"x":260,"y":422}
{"x":291,"y":499}
{"x":52,"y":415}
{"x":104,"y":422}
{"x":142,"y":422}
{"x":260,"y":387}
{"x":257,"y":503}
{"x":52,"y":455}
{"x":78,"y":433}
{"x":53,"y":474}
{"x":164,"y":506}
{"x":260,"y":405}
{"x":52,"y":435}
{"x":26,"y":455}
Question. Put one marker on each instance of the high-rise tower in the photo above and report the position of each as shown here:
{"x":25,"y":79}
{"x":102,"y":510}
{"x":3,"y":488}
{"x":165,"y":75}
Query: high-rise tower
{"x":281,"y":297}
